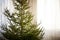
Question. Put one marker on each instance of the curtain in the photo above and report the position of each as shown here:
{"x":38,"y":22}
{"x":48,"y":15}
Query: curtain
{"x":49,"y":16}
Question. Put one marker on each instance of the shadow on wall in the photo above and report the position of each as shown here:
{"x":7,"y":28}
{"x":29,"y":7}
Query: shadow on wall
{"x":52,"y":35}
{"x":56,"y":36}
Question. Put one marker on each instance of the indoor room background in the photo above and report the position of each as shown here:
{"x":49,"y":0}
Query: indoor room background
{"x":46,"y":12}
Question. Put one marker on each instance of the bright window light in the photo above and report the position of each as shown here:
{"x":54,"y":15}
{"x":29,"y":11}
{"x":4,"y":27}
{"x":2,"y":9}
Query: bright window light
{"x":47,"y":13}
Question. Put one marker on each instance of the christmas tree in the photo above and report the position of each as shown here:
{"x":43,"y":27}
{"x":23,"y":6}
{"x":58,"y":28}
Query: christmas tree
{"x":20,"y":23}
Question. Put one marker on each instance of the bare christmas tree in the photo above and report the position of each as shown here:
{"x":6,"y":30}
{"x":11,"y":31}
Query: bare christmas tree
{"x":20,"y":23}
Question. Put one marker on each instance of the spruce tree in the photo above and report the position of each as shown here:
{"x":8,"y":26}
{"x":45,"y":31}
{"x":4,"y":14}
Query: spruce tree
{"x":20,"y":23}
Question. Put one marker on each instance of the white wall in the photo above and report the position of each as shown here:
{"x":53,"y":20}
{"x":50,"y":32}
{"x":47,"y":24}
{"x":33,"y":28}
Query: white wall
{"x":49,"y":16}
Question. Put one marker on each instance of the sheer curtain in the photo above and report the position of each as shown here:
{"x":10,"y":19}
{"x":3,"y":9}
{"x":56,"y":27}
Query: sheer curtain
{"x":49,"y":16}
